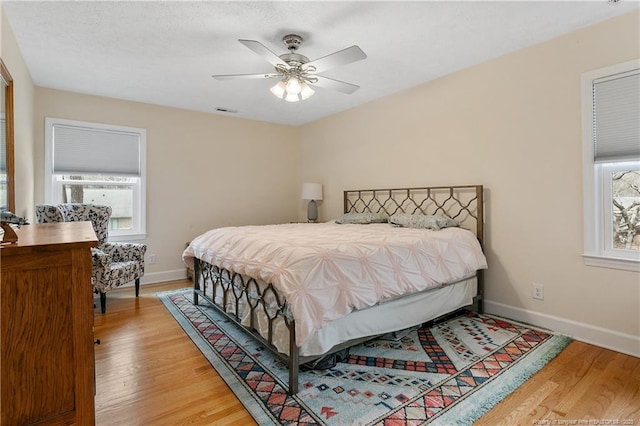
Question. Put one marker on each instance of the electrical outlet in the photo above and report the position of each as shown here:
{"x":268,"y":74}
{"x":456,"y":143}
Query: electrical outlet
{"x":538,"y":291}
{"x":152,"y":259}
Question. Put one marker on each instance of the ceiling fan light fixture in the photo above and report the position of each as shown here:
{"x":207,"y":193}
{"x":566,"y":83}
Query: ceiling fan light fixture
{"x":292,"y":98}
{"x":306,"y":92}
{"x":294,"y":85}
{"x":279,"y":89}
{"x":292,"y":89}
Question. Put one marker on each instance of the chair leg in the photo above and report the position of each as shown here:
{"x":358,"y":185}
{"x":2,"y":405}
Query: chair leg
{"x":137,"y":287}
{"x":103,"y":302}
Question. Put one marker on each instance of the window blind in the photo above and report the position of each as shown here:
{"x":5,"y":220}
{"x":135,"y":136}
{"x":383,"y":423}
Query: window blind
{"x":82,"y":150}
{"x":616,"y":117}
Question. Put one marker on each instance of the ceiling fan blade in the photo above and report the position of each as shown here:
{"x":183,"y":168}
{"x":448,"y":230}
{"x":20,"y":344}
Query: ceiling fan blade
{"x":244,"y":76}
{"x":263,"y":51}
{"x":330,"y":83}
{"x":341,"y":57}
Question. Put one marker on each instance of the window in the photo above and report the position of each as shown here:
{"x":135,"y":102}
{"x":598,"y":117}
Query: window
{"x":98,"y":164}
{"x":611,"y":166}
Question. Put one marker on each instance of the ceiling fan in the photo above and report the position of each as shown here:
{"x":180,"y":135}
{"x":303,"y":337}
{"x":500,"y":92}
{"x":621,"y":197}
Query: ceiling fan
{"x":296,"y":72}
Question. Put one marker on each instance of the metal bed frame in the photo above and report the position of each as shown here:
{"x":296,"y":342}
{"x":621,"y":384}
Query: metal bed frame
{"x":461,"y":203}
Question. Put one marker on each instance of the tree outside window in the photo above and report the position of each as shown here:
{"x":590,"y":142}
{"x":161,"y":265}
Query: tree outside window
{"x":626,"y":210}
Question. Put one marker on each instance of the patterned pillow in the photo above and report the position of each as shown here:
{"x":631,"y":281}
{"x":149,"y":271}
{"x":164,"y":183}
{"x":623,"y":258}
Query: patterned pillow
{"x":434,"y":222}
{"x":362,"y":218}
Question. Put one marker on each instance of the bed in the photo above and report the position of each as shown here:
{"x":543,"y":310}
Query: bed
{"x":307,"y":290}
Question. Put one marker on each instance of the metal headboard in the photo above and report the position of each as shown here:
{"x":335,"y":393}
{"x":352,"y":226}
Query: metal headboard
{"x":464,"y":204}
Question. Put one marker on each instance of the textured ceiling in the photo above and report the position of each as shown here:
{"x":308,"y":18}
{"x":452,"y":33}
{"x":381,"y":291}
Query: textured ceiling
{"x":165,"y":52}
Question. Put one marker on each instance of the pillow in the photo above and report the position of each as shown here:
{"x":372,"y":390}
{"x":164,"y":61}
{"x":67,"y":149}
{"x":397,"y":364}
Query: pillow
{"x":434,"y":222}
{"x":362,"y":218}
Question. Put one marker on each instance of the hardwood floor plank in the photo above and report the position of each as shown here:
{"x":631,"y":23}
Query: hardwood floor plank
{"x":612,"y":392}
{"x":520,"y":406}
{"x":148,"y":372}
{"x":626,"y":406}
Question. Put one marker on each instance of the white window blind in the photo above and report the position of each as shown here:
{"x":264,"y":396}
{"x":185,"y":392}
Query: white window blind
{"x":616,"y":117}
{"x":81,"y":150}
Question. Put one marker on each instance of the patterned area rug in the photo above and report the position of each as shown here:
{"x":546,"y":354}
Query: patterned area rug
{"x":449,"y":374}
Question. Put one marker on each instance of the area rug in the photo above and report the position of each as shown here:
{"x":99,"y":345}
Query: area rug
{"x":447,"y":374}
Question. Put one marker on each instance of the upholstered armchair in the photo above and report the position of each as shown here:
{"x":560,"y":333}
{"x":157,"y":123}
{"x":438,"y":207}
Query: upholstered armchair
{"x":114,"y":264}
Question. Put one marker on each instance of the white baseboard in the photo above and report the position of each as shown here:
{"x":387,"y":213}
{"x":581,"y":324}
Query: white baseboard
{"x":160,"y":277}
{"x":610,"y":339}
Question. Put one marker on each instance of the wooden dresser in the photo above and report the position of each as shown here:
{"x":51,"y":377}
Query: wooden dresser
{"x":46,"y":326}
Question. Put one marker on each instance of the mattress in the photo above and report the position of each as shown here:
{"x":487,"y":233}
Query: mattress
{"x":329,"y":271}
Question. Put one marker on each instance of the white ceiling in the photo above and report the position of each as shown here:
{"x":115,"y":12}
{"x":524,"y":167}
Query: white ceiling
{"x":165,"y":52}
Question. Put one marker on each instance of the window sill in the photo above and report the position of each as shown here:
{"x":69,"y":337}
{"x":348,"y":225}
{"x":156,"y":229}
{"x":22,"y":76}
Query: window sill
{"x":611,"y":262}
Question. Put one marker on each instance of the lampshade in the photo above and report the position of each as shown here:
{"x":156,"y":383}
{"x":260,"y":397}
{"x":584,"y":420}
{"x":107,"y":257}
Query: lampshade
{"x":291,"y":97}
{"x":293,"y":86}
{"x":306,"y":92}
{"x":312,"y":191}
{"x":278,"y":89}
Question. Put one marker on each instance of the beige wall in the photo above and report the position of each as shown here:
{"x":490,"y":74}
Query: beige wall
{"x":203,"y":170}
{"x":23,"y":94}
{"x":513,"y":125}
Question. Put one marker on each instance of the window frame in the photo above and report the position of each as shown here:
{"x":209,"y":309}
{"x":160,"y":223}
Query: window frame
{"x":53,"y":182}
{"x":597,"y":207}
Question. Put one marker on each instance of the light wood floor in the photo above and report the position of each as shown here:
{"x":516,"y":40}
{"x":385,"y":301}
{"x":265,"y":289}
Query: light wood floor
{"x":148,"y":372}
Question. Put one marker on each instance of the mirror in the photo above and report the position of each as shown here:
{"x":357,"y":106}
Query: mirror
{"x":7,"y":171}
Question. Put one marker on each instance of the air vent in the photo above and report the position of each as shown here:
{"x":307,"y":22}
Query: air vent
{"x":225,"y":110}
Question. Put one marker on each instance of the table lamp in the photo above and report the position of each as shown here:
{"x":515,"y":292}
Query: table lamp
{"x":313,"y":193}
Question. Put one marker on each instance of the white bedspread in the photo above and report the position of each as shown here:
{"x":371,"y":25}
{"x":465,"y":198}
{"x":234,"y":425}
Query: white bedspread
{"x":326,"y":270}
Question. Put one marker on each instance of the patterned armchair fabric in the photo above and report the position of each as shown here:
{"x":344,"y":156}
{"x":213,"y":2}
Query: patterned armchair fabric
{"x":47,"y":214}
{"x":114,"y":264}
